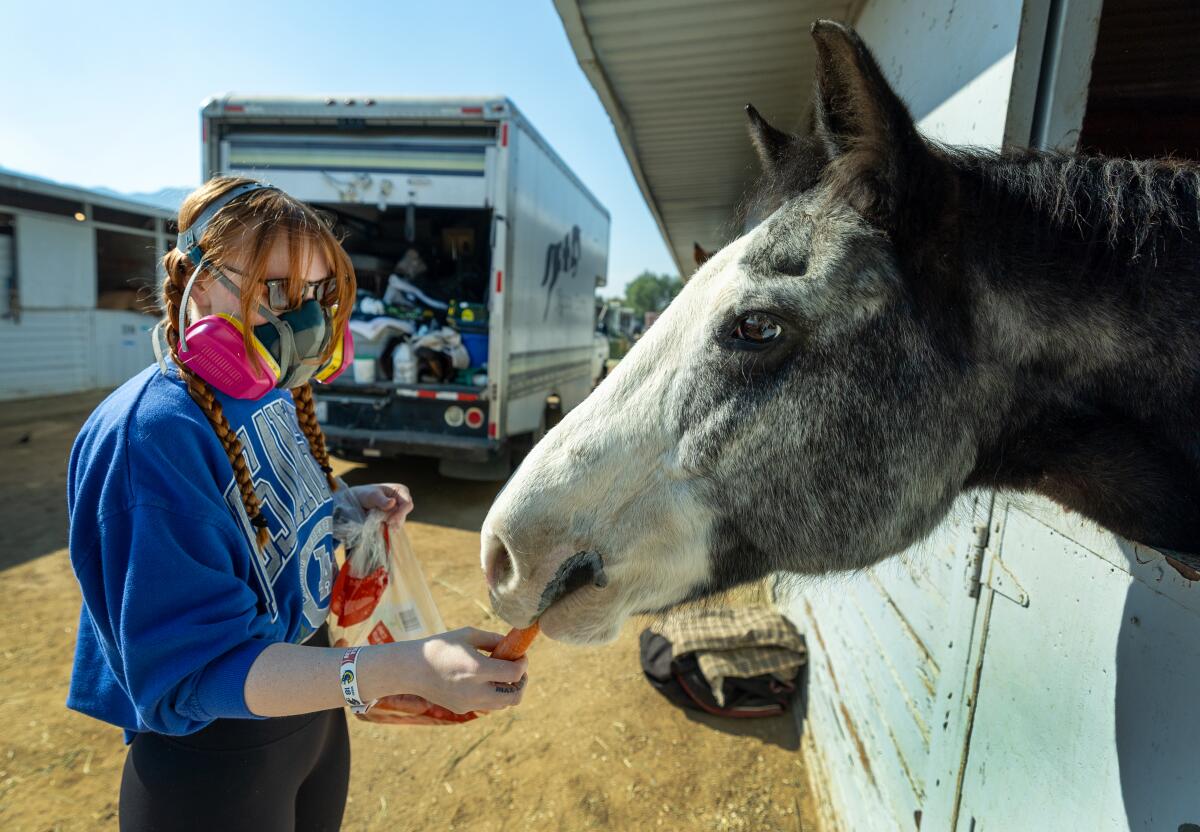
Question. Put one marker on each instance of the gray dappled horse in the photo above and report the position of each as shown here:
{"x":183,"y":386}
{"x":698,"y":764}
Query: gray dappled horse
{"x":910,"y":321}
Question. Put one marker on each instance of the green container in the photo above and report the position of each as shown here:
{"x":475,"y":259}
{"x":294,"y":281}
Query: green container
{"x":467,"y":317}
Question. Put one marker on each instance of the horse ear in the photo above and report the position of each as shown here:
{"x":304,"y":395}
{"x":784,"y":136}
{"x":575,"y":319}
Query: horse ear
{"x":771,"y":144}
{"x":854,"y":102}
{"x":793,"y":162}
{"x":869,"y":134}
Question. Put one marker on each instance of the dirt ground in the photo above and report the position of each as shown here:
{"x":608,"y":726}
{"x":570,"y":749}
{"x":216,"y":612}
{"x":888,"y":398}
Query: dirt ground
{"x":591,"y":747}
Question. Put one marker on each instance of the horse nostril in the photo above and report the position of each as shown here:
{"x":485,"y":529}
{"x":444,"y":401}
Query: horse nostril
{"x":580,"y":570}
{"x":497,"y":563}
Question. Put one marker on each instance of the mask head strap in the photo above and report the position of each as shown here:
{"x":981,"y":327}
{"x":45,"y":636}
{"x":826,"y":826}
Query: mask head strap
{"x":189,"y":241}
{"x":183,"y":307}
{"x":156,"y":341}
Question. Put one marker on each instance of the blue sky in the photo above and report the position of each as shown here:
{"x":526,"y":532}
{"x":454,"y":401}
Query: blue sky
{"x":109,"y":94}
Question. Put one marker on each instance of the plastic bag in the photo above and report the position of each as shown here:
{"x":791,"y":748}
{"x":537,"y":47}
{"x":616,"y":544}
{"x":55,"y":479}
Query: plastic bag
{"x":381,"y":596}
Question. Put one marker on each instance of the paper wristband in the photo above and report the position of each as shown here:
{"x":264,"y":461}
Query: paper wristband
{"x":349,"y":679}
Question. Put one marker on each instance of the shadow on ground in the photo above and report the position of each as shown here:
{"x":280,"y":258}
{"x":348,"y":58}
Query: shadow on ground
{"x":35,"y":444}
{"x":777,"y":730}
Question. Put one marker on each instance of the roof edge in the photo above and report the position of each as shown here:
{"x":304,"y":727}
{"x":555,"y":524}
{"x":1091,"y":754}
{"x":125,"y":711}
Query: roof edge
{"x":33,"y":183}
{"x":585,"y":55}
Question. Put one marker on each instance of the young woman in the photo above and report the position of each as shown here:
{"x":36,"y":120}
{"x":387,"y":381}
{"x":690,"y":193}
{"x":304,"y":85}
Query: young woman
{"x":200,"y":499}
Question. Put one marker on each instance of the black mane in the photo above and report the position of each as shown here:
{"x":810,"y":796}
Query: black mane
{"x":1111,"y":218}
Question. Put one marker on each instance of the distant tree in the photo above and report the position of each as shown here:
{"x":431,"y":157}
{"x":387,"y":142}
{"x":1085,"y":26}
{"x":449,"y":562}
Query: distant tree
{"x":649,"y":292}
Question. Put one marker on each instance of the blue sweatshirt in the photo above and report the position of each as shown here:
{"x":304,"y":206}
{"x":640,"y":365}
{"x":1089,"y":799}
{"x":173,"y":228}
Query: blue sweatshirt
{"x":178,"y":601}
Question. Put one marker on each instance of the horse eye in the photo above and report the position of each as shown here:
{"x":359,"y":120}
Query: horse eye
{"x":756,"y":328}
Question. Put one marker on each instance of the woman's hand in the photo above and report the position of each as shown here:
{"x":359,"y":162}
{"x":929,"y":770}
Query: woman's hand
{"x":391,"y":497}
{"x":449,"y":670}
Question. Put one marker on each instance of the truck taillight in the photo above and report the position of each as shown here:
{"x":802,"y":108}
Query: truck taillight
{"x":474,"y":418}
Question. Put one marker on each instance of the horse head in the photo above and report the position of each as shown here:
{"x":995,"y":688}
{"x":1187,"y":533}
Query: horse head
{"x":824,"y":386}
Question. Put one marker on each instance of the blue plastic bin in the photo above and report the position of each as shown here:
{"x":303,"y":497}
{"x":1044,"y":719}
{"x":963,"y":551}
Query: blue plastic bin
{"x":477,"y":347}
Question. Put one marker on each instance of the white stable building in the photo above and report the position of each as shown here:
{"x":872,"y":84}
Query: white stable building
{"x":1023,"y":669}
{"x":76,"y":266}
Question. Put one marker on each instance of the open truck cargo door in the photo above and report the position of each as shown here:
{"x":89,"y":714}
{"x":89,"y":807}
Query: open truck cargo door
{"x":460,"y":218}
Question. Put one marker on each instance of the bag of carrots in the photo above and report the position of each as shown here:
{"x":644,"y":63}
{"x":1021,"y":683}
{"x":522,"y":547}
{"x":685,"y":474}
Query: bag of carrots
{"x":380,"y":596}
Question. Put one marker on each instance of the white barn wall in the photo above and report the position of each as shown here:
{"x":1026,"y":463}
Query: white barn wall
{"x":54,"y":339}
{"x":69,"y":350}
{"x":950,"y":60}
{"x":48,"y":353}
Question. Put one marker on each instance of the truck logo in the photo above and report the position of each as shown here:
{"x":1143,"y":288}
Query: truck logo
{"x":561,"y":257}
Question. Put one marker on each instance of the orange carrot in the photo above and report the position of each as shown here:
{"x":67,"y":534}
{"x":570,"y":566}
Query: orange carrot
{"x":518,"y":640}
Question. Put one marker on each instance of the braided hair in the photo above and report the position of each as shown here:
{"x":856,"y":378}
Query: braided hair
{"x":306,"y":414}
{"x":253,"y":224}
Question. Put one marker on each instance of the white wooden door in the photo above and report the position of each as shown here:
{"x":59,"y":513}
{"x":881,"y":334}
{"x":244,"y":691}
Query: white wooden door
{"x":1084,"y":713}
{"x":56,"y":262}
{"x":888,"y":670}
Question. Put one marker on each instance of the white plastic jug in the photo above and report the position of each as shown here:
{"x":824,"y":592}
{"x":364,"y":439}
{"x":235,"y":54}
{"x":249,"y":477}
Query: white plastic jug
{"x":364,"y":370}
{"x":404,"y":364}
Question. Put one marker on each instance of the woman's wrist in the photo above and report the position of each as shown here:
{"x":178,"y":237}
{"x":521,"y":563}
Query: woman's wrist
{"x":389,"y":669}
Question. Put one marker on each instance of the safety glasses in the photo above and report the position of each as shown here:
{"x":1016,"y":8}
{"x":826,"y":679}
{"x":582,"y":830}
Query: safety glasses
{"x":324,"y":291}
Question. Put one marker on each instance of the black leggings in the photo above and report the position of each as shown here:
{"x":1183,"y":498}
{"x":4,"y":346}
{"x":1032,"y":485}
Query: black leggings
{"x":287,"y":773}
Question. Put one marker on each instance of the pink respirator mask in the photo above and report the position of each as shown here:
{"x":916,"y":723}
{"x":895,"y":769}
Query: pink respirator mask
{"x":284,"y":353}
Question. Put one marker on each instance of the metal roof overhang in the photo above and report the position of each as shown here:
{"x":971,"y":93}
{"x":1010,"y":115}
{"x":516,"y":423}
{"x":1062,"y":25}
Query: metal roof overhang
{"x":675,"y":76}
